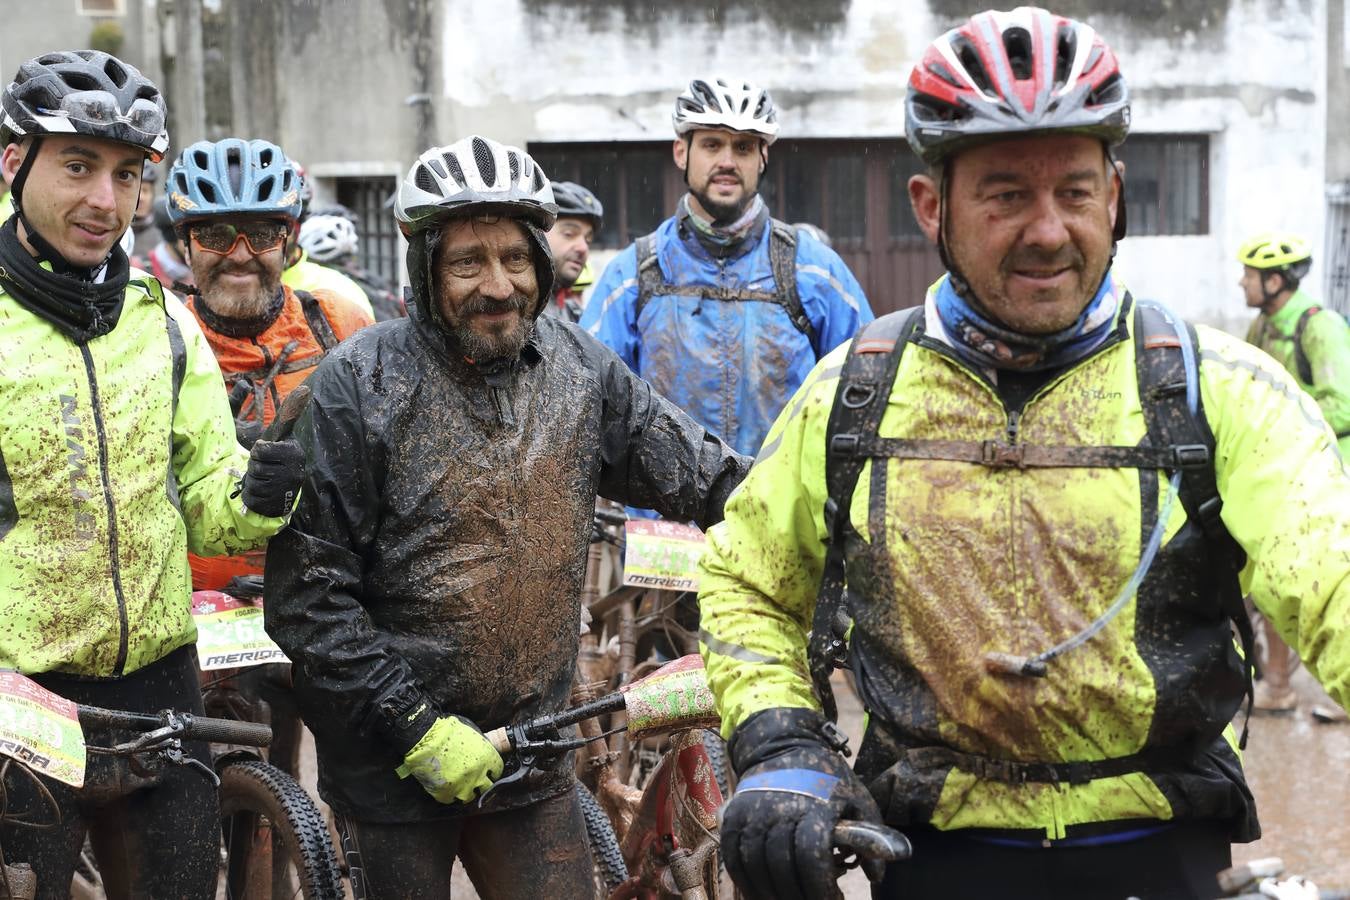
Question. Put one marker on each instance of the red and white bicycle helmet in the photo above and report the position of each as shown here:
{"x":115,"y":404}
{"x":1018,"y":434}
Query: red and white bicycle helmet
{"x":1021,"y":72}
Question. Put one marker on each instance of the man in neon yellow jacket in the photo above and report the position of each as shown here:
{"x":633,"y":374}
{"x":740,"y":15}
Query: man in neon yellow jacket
{"x":117,"y":455}
{"x":1313,"y":345}
{"x":1041,"y":609}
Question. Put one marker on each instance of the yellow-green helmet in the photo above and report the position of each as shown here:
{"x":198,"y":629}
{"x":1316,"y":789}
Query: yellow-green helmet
{"x":1277,"y":251}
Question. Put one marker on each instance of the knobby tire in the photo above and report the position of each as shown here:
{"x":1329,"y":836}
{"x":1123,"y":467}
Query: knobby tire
{"x":260,"y":803}
{"x":606,"y":856}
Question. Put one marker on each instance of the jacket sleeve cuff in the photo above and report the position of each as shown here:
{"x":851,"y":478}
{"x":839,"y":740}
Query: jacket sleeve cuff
{"x":772,"y":732}
{"x":405,"y":717}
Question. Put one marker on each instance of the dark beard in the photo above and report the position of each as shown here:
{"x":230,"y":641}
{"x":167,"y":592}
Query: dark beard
{"x":723,"y":214}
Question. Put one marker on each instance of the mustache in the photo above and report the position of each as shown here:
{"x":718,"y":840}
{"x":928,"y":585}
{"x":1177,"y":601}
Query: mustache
{"x":1066,"y":257}
{"x":248,"y":268}
{"x":476,"y":304}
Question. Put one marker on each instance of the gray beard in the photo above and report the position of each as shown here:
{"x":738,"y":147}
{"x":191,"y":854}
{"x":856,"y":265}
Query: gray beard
{"x":233,"y":305}
{"x":484,"y":349}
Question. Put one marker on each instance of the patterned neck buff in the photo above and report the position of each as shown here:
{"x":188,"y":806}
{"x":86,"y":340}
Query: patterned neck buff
{"x":988,"y":345}
{"x":723,"y":236}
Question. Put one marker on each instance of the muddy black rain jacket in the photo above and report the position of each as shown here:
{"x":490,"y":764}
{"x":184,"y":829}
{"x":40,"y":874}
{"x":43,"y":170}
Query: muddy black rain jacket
{"x":440,"y":543}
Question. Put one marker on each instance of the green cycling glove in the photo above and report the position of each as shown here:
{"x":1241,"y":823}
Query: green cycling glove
{"x":452,"y":761}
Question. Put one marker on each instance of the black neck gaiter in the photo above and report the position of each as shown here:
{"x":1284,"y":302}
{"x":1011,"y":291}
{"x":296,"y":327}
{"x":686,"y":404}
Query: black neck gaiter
{"x":81,"y":310}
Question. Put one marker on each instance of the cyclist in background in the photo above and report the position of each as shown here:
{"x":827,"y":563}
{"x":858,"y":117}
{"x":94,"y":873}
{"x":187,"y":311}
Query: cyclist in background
{"x":580,"y":217}
{"x":723,"y":309}
{"x":168,"y":261}
{"x":119,"y":456}
{"x":233,"y":204}
{"x":331,"y":239}
{"x":302,"y":274}
{"x":143,"y":223}
{"x":1313,"y":345}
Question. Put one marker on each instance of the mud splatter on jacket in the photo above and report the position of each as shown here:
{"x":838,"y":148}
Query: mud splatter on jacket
{"x":117,"y":456}
{"x":953,"y":560}
{"x":440,"y":541}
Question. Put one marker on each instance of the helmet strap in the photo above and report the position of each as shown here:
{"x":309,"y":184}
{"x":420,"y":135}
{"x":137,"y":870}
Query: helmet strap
{"x":45,"y":252}
{"x":959,"y":283}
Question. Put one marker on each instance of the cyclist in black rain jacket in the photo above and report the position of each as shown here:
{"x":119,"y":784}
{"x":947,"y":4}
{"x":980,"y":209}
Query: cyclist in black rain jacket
{"x":430,"y":581}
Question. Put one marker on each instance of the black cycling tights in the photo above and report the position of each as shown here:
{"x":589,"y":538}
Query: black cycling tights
{"x":539,"y":851}
{"x":1179,"y":863}
{"x":153,"y":837}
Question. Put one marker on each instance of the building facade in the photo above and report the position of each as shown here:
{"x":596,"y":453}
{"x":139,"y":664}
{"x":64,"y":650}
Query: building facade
{"x":1231,"y":98}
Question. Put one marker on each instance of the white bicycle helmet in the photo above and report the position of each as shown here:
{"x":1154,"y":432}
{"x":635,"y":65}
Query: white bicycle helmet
{"x":328,"y":238}
{"x":726,"y":103}
{"x":475,"y":176}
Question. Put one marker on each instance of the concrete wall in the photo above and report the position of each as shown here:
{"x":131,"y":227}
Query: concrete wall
{"x":30,"y":29}
{"x":1338,"y":91}
{"x":361,"y":87}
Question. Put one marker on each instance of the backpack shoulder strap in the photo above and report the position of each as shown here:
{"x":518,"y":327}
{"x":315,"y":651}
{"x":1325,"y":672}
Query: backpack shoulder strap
{"x":783,"y":261}
{"x":318,"y":322}
{"x":649,"y":275}
{"x":1305,"y":373}
{"x":865,"y":383}
{"x":1165,"y":379}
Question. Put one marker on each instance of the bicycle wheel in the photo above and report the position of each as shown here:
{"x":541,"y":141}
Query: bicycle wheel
{"x":606,"y":857}
{"x":276,"y":843}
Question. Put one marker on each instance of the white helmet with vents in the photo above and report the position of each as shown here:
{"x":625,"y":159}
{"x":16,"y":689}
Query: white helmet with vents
{"x":474,"y":176}
{"x":728,"y":103}
{"x":328,"y":238}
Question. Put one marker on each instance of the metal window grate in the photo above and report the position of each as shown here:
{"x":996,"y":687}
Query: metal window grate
{"x":370,"y":199}
{"x":1166,"y":183}
{"x":1337,"y":270}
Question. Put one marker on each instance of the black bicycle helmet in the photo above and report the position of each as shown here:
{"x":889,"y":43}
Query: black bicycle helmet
{"x":576,"y":202}
{"x":85,"y":92}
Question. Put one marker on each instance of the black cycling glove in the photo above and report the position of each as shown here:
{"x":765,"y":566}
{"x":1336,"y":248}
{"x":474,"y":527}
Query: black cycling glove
{"x":276,"y":470}
{"x":793,"y":789}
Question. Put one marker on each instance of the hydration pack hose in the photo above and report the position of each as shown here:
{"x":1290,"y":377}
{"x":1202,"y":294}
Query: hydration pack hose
{"x":1035,"y":666}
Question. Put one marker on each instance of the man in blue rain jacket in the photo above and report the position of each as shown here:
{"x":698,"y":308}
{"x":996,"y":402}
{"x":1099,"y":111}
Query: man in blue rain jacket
{"x":724,"y":309}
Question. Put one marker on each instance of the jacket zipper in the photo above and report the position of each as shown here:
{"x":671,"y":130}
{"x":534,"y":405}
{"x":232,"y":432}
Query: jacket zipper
{"x":112,"y":511}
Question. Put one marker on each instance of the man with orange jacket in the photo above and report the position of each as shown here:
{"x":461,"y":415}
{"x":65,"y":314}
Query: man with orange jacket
{"x":234,"y":203}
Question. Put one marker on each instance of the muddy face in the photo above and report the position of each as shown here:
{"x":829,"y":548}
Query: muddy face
{"x":486,"y":285}
{"x":1028,"y":224}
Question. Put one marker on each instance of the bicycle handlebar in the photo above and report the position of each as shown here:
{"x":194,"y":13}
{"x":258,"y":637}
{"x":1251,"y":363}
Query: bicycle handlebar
{"x":870,"y":841}
{"x":194,"y":728}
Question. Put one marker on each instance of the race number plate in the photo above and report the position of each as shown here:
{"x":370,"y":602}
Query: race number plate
{"x":41,"y":729}
{"x":662,"y":555}
{"x":230,"y":633}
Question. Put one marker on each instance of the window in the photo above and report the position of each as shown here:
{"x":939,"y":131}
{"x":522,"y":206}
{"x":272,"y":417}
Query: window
{"x":369,"y":198}
{"x":632,"y":181}
{"x":100,"y":7}
{"x":1166,"y":183}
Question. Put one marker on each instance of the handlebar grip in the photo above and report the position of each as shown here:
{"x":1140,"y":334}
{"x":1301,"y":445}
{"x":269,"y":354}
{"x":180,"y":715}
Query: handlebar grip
{"x":871,"y":841}
{"x":499,"y":739}
{"x":610,"y":518}
{"x":226,"y":731}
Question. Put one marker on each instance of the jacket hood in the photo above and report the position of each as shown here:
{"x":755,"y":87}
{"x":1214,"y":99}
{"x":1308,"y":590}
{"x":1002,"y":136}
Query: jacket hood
{"x":424,"y":284}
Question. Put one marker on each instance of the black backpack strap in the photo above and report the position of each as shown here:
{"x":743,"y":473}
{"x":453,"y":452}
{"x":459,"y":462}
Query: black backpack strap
{"x":318,"y":322}
{"x":649,"y":277}
{"x":1163,"y":383}
{"x":1305,"y":372}
{"x":865,"y":384}
{"x":783,"y":261}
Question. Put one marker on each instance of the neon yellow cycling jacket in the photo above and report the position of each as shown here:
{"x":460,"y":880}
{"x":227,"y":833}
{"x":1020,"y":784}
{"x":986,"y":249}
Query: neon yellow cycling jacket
{"x":1326,"y":342}
{"x":962,"y":560}
{"x":116,"y":458}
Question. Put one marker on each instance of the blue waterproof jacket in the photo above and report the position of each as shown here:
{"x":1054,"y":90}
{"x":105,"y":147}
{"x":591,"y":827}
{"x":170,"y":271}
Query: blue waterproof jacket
{"x":732,"y":365}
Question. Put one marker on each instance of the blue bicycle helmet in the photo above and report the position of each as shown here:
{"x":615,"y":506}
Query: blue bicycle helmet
{"x":233,"y":177}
